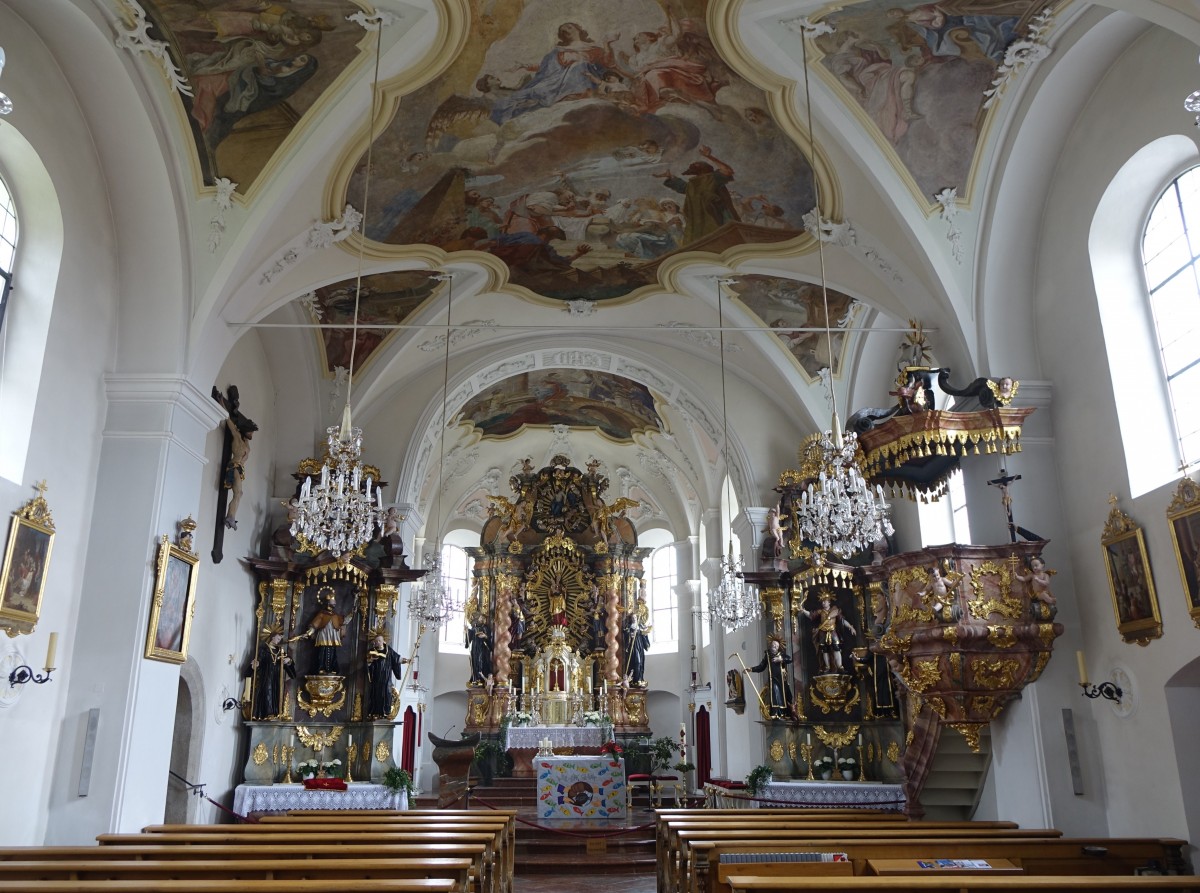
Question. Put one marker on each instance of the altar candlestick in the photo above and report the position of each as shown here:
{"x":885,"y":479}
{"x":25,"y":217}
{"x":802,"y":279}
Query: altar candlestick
{"x":51,"y":647}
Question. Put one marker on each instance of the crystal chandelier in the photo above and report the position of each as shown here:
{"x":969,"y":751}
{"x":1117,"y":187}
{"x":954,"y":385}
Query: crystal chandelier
{"x":339,"y":514}
{"x":430,"y":604}
{"x":839,"y":512}
{"x":732,"y":603}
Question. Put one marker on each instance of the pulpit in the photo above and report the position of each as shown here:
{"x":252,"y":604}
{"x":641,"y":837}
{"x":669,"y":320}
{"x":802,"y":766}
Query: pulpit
{"x":453,"y":758}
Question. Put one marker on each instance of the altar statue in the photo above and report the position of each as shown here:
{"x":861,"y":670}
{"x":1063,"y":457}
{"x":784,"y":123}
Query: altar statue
{"x":774,"y":663}
{"x":637,"y":640}
{"x":383,"y":663}
{"x":481,"y":652}
{"x":271,"y":659}
{"x":325,"y":629}
{"x":558,"y":604}
{"x":828,"y":621}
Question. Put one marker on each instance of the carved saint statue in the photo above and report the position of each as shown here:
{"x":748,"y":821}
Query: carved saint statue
{"x":325,"y":629}
{"x":383,"y":664}
{"x":268,"y":666}
{"x":774,"y":663}
{"x":828,"y":622}
{"x":240,"y":430}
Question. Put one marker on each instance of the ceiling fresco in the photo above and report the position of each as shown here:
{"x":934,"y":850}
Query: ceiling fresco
{"x":583,"y":144}
{"x":919,"y":71}
{"x":615,"y":406}
{"x":786,"y":305}
{"x":387,"y":299}
{"x":255,"y":68}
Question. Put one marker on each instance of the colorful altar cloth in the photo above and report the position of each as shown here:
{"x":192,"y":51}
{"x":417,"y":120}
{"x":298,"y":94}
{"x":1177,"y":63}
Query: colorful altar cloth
{"x":842,"y":794}
{"x":580,"y":788}
{"x":560,"y":736}
{"x":248,"y":798}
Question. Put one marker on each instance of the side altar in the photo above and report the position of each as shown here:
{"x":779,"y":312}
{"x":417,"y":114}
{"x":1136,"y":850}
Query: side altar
{"x":557,"y":620}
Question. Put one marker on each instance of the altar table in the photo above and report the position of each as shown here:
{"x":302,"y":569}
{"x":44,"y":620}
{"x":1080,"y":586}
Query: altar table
{"x":248,"y":798}
{"x":843,"y":794}
{"x":580,"y":787}
{"x":522,"y":742}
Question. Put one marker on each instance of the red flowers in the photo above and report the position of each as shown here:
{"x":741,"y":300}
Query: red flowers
{"x":612,"y":747}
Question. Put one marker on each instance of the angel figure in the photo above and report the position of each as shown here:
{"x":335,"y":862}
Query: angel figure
{"x":602,"y":516}
{"x":1038,"y":580}
{"x":513,"y":517}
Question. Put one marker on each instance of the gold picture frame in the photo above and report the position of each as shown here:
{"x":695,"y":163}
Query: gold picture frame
{"x":1183,"y":514}
{"x":26,"y":563}
{"x":1130,"y":580}
{"x":174,"y":604}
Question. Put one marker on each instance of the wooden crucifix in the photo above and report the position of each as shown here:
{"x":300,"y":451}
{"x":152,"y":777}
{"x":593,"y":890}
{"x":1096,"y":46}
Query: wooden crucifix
{"x":234,"y":453}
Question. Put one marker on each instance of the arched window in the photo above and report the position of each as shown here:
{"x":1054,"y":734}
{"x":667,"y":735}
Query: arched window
{"x":1170,"y":254}
{"x":664,"y":604}
{"x":456,"y":569}
{"x":8,"y":245}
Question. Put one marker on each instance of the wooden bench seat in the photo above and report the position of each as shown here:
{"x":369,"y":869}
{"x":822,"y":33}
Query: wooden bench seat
{"x":1018,"y":884}
{"x":456,"y":870}
{"x":1101,"y":857}
{"x":325,"y":885}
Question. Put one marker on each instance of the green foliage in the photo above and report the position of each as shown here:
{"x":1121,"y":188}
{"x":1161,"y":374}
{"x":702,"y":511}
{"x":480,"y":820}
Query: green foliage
{"x":683,"y":766}
{"x":397,"y":780}
{"x":758,"y":778}
{"x":662,"y":752}
{"x":486,"y":749}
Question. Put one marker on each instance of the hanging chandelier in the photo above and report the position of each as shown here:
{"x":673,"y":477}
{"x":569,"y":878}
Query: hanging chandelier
{"x":732,"y":604}
{"x":340,"y":513}
{"x":838,"y":511}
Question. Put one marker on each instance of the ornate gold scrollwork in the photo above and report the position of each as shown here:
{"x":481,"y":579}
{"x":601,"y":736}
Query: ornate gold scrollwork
{"x":1007,"y":605}
{"x":776,"y":750}
{"x":890,"y":643}
{"x":893,"y":751}
{"x":1039,"y":665}
{"x":318,"y":740}
{"x":1002,"y":636}
{"x":985,"y":705}
{"x":921,"y":675}
{"x":995,"y":674}
{"x":261,"y":754}
{"x":956,"y":664}
{"x":970,"y":732}
{"x":833,"y":738}
{"x":832,"y":692}
{"x":937,"y":705}
{"x":382,"y":752}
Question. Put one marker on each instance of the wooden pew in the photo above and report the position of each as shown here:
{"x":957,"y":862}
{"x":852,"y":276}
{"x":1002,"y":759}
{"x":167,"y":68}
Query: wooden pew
{"x":972,"y":884}
{"x":503,"y":827}
{"x":685,"y":840}
{"x":455,"y":870}
{"x":325,"y":885}
{"x":489,"y":868}
{"x":1101,"y":857}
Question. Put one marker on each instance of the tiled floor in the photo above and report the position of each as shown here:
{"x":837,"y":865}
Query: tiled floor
{"x":585,"y":883}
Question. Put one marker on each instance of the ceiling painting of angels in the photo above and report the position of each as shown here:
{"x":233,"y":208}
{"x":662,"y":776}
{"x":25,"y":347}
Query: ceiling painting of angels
{"x":387,"y":299}
{"x":919,"y":72}
{"x":254,"y":67}
{"x":584,"y":144}
{"x":790,"y":308}
{"x":612,"y":404}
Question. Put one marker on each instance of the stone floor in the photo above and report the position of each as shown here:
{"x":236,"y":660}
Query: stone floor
{"x":585,"y":882}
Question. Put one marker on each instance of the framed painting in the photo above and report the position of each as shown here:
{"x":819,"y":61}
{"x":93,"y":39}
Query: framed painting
{"x":1183,"y":514}
{"x":174,"y":603}
{"x":1130,"y":581}
{"x":26,"y":560}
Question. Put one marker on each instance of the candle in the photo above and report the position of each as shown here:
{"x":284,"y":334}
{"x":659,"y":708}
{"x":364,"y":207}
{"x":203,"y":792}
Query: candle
{"x":350,"y":741}
{"x":860,"y":739}
{"x":51,"y":647}
{"x":292,"y":742}
{"x":808,"y":738}
{"x":1083,"y":680}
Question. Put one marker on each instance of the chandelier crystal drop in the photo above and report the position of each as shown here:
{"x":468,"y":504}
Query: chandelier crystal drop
{"x":430,"y":602}
{"x":340,"y":512}
{"x":840,"y":512}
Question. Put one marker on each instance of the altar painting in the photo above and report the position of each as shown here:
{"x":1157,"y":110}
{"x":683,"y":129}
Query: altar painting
{"x":582,"y":145}
{"x":787,"y":306}
{"x":386,"y":299}
{"x":614,"y":405}
{"x":254,"y":69}
{"x":919,"y":72}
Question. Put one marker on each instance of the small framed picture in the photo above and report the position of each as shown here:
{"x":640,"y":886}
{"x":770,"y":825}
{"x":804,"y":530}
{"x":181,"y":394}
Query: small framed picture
{"x":1130,"y":581}
{"x":1184,"y":516}
{"x":174,"y":603}
{"x":26,"y":560}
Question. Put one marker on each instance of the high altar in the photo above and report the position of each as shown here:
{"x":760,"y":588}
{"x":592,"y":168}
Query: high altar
{"x":557,"y":619}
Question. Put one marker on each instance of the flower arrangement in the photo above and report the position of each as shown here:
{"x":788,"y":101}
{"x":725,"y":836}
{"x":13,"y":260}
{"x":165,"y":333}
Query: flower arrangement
{"x":307,"y":768}
{"x":596,"y":718}
{"x":397,"y":780}
{"x":847,"y":765}
{"x":516,"y":718}
{"x":759,"y":776}
{"x":320,"y":769}
{"x":823,"y":765}
{"x":612,"y":748}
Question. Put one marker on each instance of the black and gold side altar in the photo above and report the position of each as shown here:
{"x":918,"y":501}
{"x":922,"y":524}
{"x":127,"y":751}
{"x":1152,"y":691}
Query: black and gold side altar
{"x":557,"y":620}
{"x":323,"y":680}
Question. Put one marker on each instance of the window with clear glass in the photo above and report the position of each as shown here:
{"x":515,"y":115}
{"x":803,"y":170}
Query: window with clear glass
{"x":456,"y":570}
{"x":8,"y":245}
{"x":664,"y":604}
{"x":1170,"y":253}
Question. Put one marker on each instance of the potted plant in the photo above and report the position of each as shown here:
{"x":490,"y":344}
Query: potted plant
{"x":612,"y":749}
{"x":307,"y":768}
{"x":758,"y":779}
{"x":662,"y":752}
{"x":823,"y":767}
{"x":397,"y":780}
{"x":847,"y":765}
{"x":486,"y":754}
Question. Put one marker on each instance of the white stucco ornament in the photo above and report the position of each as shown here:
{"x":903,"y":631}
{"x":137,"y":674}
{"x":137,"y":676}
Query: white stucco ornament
{"x":948,"y":199}
{"x":1020,"y":53}
{"x":136,"y":38}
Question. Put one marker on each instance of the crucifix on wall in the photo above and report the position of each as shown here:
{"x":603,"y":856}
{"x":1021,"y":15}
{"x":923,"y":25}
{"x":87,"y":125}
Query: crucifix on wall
{"x":234,"y":453}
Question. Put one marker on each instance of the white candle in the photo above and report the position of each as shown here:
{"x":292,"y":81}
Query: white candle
{"x":350,"y":741}
{"x":808,"y":738}
{"x":292,"y":741}
{"x":1083,"y":680}
{"x":51,"y":647}
{"x":860,"y":739}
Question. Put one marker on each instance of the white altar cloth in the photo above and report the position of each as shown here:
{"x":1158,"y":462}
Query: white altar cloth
{"x":844,"y":794}
{"x":248,"y":798}
{"x":561,"y":736}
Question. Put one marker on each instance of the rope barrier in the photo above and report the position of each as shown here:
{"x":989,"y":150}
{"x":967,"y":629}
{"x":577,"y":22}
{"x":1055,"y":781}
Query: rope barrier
{"x":595,"y":833}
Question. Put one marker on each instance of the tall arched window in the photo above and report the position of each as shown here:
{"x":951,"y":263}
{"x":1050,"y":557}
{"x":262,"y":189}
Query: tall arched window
{"x":456,"y":569}
{"x":1171,"y":253}
{"x":664,"y":604}
{"x":8,"y":245}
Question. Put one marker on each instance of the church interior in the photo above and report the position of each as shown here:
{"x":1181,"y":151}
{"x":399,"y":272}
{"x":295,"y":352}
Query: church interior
{"x":802,"y":384}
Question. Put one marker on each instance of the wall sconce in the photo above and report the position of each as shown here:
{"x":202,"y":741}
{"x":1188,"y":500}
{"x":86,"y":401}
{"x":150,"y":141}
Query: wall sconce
{"x":1108,"y":690}
{"x":24,"y":673}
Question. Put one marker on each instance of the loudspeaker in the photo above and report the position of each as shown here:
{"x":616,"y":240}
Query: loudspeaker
{"x":89,"y":748}
{"x":1072,"y":750}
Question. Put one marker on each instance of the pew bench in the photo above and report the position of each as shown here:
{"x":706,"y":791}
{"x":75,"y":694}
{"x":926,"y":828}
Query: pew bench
{"x":957,"y":884}
{"x":325,"y":885}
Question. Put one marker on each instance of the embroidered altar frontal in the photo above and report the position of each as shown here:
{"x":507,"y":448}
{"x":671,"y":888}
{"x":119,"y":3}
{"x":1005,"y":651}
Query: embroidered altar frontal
{"x":580,"y":788}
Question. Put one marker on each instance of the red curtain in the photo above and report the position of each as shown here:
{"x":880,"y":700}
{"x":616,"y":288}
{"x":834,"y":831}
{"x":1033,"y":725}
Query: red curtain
{"x":409,"y":751}
{"x":703,"y":747}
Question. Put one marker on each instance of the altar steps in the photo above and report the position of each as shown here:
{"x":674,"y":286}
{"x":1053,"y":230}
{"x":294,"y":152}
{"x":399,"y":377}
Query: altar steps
{"x":543,"y":851}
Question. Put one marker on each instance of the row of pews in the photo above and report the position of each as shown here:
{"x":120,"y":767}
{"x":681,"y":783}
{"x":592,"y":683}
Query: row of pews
{"x":778,"y":850}
{"x":414,"y":851}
